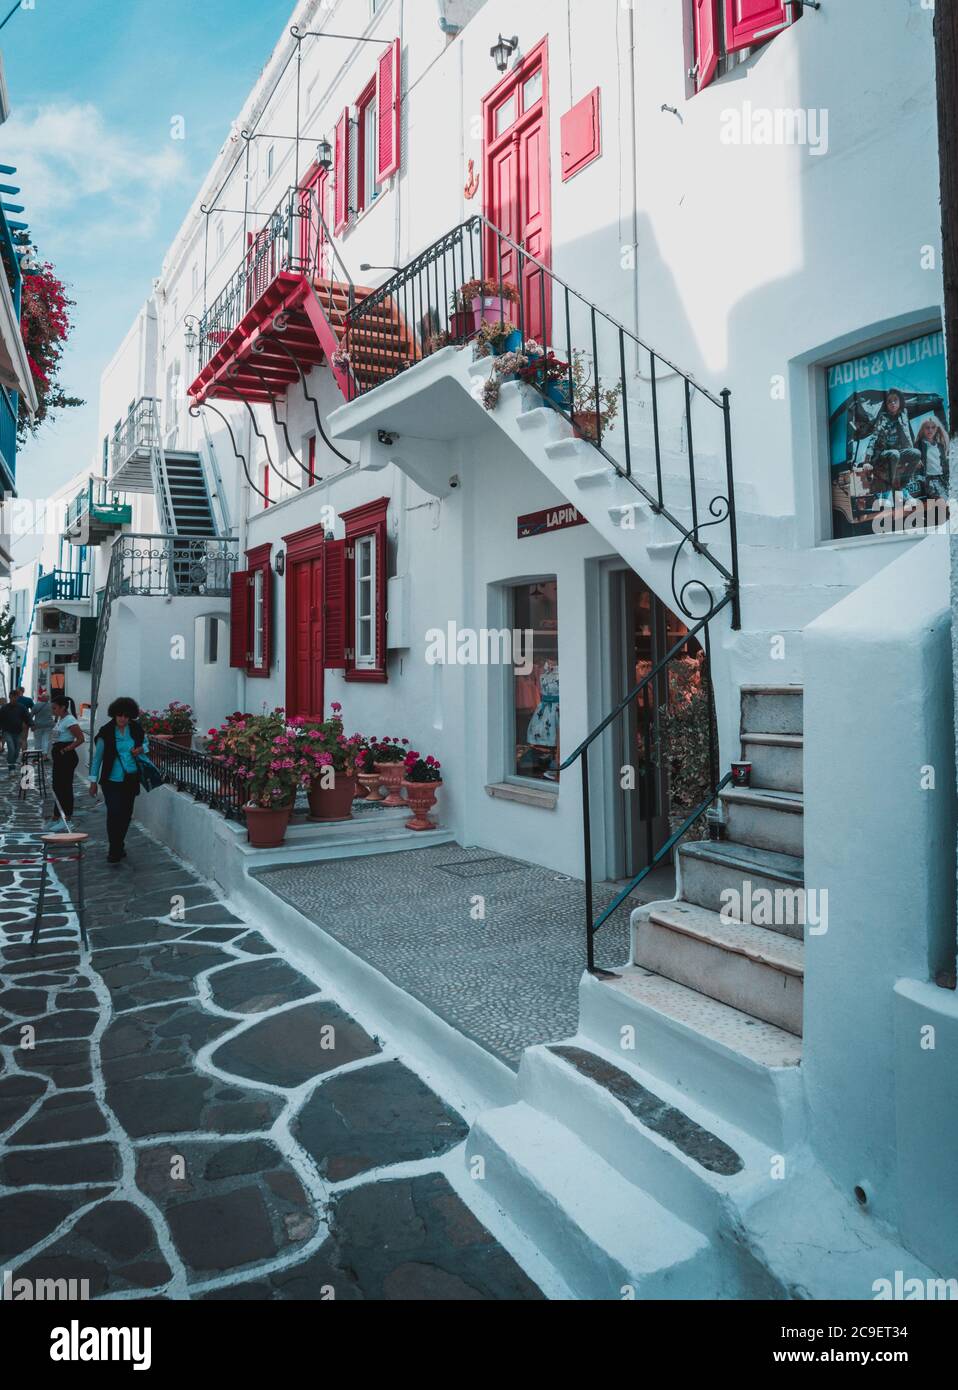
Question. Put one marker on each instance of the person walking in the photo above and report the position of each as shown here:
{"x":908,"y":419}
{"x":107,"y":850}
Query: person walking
{"x":67,"y":738}
{"x":24,"y":701}
{"x":14,"y":719}
{"x":115,"y":750}
{"x":42,"y":724}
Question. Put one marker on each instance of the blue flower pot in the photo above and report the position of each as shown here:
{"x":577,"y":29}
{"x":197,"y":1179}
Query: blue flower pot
{"x":512,"y":342}
{"x":558,"y":393}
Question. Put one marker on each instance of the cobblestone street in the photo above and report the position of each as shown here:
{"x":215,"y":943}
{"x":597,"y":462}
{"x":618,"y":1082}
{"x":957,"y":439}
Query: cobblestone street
{"x":184,"y":1115}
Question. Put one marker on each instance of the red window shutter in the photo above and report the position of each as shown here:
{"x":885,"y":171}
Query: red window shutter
{"x":342,"y":172}
{"x":239,"y":617}
{"x":388,"y":102}
{"x":706,"y":38}
{"x":312,"y":459}
{"x":334,"y":605}
{"x":267,"y":618}
{"x":749,"y":22}
{"x":581,"y":135}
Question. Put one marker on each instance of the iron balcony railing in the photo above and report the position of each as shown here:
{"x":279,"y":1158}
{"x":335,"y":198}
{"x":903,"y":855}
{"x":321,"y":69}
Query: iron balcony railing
{"x":296,"y":240}
{"x":138,"y":433}
{"x":96,"y":496}
{"x":650,"y":420}
{"x":204,"y":777}
{"x":65,"y":586}
{"x":161,"y":566}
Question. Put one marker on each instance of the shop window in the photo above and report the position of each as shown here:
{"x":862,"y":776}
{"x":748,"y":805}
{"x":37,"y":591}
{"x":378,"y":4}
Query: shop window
{"x":251,"y":619}
{"x":724,"y":31}
{"x":365,"y":591}
{"x":535,"y":682}
{"x":888,"y":430}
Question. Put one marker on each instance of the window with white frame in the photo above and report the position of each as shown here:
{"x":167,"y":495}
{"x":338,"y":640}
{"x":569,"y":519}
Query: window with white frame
{"x":365,"y":602}
{"x":259,"y":618}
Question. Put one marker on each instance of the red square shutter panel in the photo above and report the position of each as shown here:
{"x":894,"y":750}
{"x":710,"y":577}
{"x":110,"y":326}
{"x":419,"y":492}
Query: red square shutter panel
{"x":239,"y":617}
{"x":341,"y":215}
{"x":748,"y":22}
{"x":388,"y":102}
{"x":334,"y":605}
{"x":705,"y":22}
{"x":580,"y":135}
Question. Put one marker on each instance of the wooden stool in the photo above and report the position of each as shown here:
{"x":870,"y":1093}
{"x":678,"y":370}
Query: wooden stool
{"x":75,"y":839}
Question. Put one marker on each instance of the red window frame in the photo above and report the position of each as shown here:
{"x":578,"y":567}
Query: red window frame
{"x":243,"y":612}
{"x":363,"y":102}
{"x":723,"y":27}
{"x":367,"y":520}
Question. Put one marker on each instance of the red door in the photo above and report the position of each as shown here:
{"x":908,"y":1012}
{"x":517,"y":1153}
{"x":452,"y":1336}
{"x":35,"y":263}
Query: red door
{"x":314,"y":247}
{"x":304,"y":663}
{"x":518,"y":192}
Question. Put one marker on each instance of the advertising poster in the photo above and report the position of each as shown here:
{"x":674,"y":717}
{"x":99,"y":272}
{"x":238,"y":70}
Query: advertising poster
{"x":889,"y":435}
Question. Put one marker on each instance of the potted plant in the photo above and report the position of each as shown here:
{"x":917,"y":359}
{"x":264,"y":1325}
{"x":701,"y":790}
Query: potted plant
{"x":422,"y":778}
{"x":366,"y":775}
{"x":262,"y":749}
{"x":389,"y":759}
{"x":175,"y":723}
{"x":495,"y":338}
{"x":549,"y":376}
{"x":481,"y":301}
{"x":328,"y":760}
{"x":589,"y":422}
{"x":506,"y":366}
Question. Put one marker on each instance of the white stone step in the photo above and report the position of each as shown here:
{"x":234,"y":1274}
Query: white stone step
{"x":757,"y":971}
{"x":711,"y":871}
{"x":777,"y":760}
{"x":772,"y":709}
{"x":768,"y":819}
{"x":601,"y":1233}
{"x":697,"y":1166}
{"x":728,"y":1062}
{"x":594,"y":477}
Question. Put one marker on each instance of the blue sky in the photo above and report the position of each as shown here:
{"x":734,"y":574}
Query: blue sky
{"x":94,"y":85}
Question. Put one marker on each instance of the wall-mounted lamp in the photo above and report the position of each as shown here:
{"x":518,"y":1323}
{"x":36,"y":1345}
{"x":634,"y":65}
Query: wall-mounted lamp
{"x":502,"y":51}
{"x":324,"y":154}
{"x":190,"y":336}
{"x":281,"y":562}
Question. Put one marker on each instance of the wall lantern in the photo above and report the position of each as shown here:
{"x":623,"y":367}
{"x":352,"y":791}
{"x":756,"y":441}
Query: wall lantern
{"x":190,"y":337}
{"x":281,"y":562}
{"x":502,"y":51}
{"x":324,"y":154}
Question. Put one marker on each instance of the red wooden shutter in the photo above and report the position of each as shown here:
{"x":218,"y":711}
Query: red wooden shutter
{"x":239,"y":617}
{"x":389,"y":98}
{"x":705,"y":22}
{"x":748,"y":22}
{"x":334,"y":605}
{"x":580,"y":135}
{"x":341,"y":216}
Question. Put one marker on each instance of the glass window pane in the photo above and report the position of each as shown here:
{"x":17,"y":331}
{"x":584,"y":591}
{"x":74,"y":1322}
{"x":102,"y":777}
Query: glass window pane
{"x":532,"y":90}
{"x":257,"y":617}
{"x":535,"y":680}
{"x":505,"y":114}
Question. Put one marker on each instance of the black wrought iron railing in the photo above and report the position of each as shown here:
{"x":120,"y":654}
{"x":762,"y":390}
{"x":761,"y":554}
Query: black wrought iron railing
{"x":204,"y":777}
{"x":161,"y":567}
{"x":710,"y":776}
{"x":295,"y":239}
{"x":652,"y":422}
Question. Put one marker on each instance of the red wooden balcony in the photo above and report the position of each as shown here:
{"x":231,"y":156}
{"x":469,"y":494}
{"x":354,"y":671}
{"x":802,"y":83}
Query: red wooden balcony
{"x":285,"y":310}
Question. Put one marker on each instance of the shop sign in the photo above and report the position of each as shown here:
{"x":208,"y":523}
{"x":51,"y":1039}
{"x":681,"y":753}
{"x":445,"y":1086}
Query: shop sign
{"x":550,"y":519}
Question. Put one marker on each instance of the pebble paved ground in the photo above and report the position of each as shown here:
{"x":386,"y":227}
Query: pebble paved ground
{"x":183,"y":1115}
{"x":493,"y":945}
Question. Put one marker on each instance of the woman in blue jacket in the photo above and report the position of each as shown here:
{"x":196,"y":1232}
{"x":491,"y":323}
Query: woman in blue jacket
{"x":115,"y":751}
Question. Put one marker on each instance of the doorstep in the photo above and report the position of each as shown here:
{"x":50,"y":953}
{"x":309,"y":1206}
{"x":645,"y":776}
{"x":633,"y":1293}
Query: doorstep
{"x":373,"y":830}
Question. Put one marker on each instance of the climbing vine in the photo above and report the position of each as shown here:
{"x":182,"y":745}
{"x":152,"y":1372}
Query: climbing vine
{"x":45,"y":324}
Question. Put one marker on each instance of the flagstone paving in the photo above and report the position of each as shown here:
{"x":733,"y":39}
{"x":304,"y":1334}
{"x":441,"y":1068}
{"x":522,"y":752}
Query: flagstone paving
{"x":185,"y":1115}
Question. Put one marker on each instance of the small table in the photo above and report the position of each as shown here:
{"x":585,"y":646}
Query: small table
{"x":73,"y":839}
{"x":32,"y":757}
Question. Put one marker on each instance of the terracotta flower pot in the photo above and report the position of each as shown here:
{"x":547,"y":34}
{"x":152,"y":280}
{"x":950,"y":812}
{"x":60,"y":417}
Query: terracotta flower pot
{"x":371,"y":783}
{"x":391,"y":776}
{"x":335,"y":802}
{"x":586,"y":424}
{"x":421,"y":797}
{"x":266,"y":825}
{"x":181,"y":740}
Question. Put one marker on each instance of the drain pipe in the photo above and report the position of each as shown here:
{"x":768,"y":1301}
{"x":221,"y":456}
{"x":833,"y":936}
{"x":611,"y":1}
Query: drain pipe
{"x":635,"y":176}
{"x":446,"y":25}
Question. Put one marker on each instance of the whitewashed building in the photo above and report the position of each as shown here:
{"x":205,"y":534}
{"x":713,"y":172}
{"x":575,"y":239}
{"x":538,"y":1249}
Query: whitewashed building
{"x":717,"y":222}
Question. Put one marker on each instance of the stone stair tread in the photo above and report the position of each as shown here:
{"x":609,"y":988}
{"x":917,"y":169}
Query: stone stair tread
{"x":732,"y":854}
{"x":774,"y":800}
{"x":667,"y":1120}
{"x":759,"y":944}
{"x":772,"y":689}
{"x":761,"y":1043}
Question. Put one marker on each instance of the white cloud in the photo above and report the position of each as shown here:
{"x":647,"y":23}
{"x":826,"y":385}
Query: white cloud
{"x":66,"y":153}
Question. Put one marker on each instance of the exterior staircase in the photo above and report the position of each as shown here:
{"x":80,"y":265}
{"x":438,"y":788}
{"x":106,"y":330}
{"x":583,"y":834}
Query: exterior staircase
{"x":378,"y":348}
{"x":189,"y":498}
